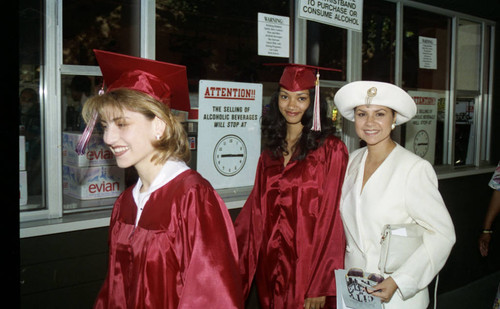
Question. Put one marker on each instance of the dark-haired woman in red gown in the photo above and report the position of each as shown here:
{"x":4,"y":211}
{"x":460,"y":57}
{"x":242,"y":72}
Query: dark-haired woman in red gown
{"x":289,"y":232}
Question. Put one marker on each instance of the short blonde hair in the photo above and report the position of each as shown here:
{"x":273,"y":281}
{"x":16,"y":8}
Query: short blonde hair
{"x":172,"y":145}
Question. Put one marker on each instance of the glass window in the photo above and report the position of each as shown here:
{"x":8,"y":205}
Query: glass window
{"x":31,"y":172}
{"x":379,"y":41}
{"x":327,"y":47}
{"x":468,"y":55}
{"x":91,"y":181}
{"x":465,"y":135}
{"x":216,"y":40}
{"x":486,"y":112}
{"x":328,"y":93}
{"x":85,"y":178}
{"x":426,"y":77}
{"x":108,"y":25}
{"x":426,"y":50}
{"x":468,"y":86}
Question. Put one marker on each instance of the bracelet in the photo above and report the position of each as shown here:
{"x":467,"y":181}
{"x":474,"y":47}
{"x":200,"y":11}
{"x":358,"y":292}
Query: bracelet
{"x":487,"y":231}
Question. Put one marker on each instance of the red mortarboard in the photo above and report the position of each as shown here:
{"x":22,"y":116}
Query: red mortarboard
{"x":298,"y":77}
{"x":164,"y":81}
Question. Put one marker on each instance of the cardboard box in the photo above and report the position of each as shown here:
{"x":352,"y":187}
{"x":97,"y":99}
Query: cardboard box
{"x":96,"y":154}
{"x":93,"y":182}
{"x":23,"y":188}
{"x":22,"y":153}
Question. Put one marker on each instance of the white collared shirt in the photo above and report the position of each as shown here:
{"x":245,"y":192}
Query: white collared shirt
{"x":169,"y":171}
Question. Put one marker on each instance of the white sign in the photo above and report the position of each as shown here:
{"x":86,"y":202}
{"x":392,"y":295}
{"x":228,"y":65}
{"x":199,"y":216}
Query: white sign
{"x":427,"y":53}
{"x":274,"y":35}
{"x":229,"y":132}
{"x":421,"y":129}
{"x":346,"y":14}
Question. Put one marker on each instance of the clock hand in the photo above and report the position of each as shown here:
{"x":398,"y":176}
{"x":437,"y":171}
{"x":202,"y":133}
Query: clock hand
{"x":231,"y":155}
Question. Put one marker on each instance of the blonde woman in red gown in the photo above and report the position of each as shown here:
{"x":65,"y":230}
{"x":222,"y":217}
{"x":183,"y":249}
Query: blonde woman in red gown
{"x":171,"y":240}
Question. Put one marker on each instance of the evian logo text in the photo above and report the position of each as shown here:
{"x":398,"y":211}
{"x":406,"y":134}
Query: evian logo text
{"x":102,"y":154}
{"x":104,"y":187}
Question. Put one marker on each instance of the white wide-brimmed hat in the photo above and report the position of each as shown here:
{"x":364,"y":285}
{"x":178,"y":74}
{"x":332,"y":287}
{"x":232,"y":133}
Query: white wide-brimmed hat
{"x":377,"y":93}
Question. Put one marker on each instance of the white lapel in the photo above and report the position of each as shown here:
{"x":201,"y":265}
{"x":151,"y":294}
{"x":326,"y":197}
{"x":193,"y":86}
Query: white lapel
{"x":352,"y":215}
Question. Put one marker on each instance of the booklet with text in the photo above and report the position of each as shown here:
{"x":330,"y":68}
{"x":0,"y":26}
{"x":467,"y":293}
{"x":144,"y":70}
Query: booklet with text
{"x":351,"y":290}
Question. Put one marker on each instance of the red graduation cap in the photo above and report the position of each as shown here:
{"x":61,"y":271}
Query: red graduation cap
{"x":298,"y":77}
{"x":164,"y":81}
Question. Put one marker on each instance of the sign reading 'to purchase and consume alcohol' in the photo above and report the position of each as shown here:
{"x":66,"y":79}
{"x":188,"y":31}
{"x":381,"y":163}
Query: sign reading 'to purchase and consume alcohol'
{"x":346,"y":14}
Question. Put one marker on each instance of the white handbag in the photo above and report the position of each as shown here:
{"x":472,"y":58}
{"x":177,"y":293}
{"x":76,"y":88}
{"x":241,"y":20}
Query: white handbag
{"x":398,"y":243}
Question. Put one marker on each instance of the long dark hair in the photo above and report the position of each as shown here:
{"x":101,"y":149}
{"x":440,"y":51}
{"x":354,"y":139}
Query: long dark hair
{"x":274,"y":129}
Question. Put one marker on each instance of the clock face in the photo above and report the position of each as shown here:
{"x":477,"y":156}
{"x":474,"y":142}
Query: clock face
{"x":230,"y":155}
{"x":421,"y":143}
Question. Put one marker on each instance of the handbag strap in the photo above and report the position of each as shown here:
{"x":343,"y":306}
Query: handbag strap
{"x":435,"y":291}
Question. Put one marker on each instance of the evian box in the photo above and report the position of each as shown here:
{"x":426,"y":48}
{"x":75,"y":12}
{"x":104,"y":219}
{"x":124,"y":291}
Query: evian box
{"x":93,"y":182}
{"x":96,"y":152}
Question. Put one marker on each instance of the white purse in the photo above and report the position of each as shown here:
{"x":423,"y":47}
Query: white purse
{"x":398,"y":243}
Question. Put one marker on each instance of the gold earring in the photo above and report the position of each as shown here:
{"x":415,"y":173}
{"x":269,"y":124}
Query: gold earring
{"x":393,"y":125}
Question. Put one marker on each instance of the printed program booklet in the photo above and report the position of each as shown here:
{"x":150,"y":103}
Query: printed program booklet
{"x":351,"y":291}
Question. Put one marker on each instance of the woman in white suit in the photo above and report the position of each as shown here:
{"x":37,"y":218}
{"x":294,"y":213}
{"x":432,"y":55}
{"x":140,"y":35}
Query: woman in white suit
{"x":387,"y":184}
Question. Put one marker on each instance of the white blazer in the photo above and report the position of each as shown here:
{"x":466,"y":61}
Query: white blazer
{"x":402,"y":190}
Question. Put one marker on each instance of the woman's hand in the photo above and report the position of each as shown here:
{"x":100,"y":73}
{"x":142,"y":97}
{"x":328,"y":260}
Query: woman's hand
{"x":315,"y":302}
{"x":384,"y":290}
{"x":484,"y":243}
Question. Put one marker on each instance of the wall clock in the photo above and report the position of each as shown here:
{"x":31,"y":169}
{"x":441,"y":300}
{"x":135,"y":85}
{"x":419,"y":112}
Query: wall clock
{"x":421,"y":143}
{"x":230,"y":155}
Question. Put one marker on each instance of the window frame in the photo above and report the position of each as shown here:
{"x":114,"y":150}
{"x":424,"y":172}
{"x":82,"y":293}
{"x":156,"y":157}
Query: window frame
{"x":52,"y":220}
{"x":49,"y":79}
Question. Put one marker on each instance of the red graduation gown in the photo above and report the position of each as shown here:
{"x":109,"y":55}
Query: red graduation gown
{"x":289,"y":232}
{"x":182,"y":254}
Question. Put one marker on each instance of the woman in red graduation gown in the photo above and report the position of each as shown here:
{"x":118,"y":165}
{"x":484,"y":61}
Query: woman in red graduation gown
{"x":171,"y":240}
{"x":290,"y":234}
